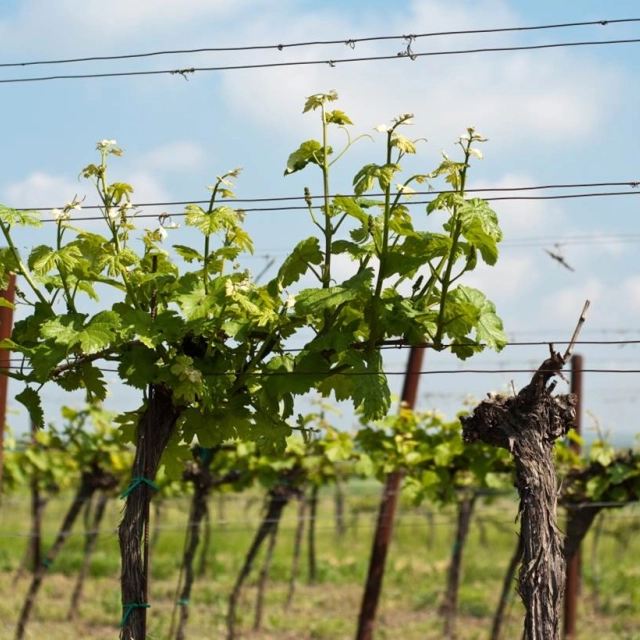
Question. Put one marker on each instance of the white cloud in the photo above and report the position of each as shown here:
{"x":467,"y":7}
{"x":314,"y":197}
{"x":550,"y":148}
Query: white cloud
{"x":563,"y":306}
{"x":182,"y":155}
{"x":512,"y":278}
{"x":73,"y":25}
{"x":515,"y":98}
{"x":147,"y":187}
{"x":40,"y":189}
{"x":631,"y":293}
{"x":519,"y":218}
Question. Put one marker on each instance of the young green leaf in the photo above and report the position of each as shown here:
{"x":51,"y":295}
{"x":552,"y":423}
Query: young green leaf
{"x":30,"y":398}
{"x":310,"y":151}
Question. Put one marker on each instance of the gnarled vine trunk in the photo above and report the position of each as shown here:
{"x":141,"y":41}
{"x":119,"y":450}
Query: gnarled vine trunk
{"x":154,"y":431}
{"x":297,"y":547}
{"x":90,"y":482}
{"x":89,"y":547}
{"x":279,"y":497}
{"x":527,"y":425}
{"x":450,"y":604}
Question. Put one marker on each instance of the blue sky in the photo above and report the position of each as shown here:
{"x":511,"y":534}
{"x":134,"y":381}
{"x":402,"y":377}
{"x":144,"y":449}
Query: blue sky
{"x":555,"y":116}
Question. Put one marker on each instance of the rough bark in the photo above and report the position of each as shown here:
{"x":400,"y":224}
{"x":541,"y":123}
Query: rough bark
{"x":507,"y":586}
{"x":206,"y":542}
{"x":579,"y":521}
{"x":158,"y":506}
{"x":339,"y":508}
{"x":379,"y":551}
{"x":154,"y":431}
{"x":90,"y":545}
{"x":32,"y":554}
{"x":90,"y":482}
{"x":204,"y":482}
{"x":297,"y":547}
{"x":279,"y":496}
{"x":198,"y":509}
{"x":311,"y":535}
{"x":527,"y":425}
{"x":595,"y":565}
{"x":450,"y":604}
{"x":262,"y":580}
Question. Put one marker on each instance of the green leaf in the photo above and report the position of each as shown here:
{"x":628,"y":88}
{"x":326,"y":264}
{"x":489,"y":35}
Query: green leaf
{"x":315,"y":301}
{"x":271,"y":437}
{"x":479,"y":226}
{"x":195,"y":303}
{"x":119,"y":191}
{"x":42,"y":259}
{"x":337,"y":117}
{"x":351,"y":207}
{"x":93,"y":382}
{"x":12,"y":217}
{"x":495,"y":480}
{"x":188,"y":253}
{"x":297,"y":262}
{"x":596,"y":486}
{"x":317,"y":100}
{"x":139,"y":366}
{"x":364,"y":383}
{"x":99,"y":332}
{"x":467,"y":308}
{"x":602,"y":452}
{"x":489,"y":328}
{"x":189,"y":385}
{"x":365,"y":179}
{"x":416,"y":251}
{"x":308,"y":152}
{"x":64,"y":329}
{"x":30,"y":398}
{"x":403,"y":144}
{"x":619,"y":472}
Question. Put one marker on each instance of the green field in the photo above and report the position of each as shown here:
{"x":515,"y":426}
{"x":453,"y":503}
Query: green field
{"x":609,"y":602}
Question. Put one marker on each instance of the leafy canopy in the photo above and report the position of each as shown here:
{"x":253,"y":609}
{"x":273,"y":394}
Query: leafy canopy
{"x":192,"y":320}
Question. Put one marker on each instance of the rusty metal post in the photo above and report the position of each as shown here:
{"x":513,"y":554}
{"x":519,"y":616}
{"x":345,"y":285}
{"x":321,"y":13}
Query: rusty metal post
{"x":386,"y":514}
{"x":573,"y":566}
{"x":6,"y":326}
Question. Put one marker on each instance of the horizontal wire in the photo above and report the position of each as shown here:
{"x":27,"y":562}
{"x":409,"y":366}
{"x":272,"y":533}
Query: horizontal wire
{"x":365,"y":519}
{"x":523,"y":242}
{"x":602,"y":331}
{"x":351,"y":42}
{"x":435,"y":192}
{"x":185,"y":72}
{"x":182,"y":214}
{"x":347,"y":373}
{"x":401,"y":346}
{"x":537,"y":241}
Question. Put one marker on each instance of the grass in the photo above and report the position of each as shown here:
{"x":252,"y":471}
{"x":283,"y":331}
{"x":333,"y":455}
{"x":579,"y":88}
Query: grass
{"x":412,"y":592}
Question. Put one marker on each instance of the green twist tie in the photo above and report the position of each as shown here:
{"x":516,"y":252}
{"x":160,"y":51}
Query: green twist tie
{"x":182,"y":603}
{"x":136,"y":482}
{"x":47,"y":563}
{"x":128,"y":608}
{"x":457,"y":545}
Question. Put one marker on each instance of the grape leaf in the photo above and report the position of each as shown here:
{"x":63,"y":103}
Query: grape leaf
{"x":479,"y":226}
{"x":29,"y":398}
{"x":309,"y":151}
{"x":297,"y":262}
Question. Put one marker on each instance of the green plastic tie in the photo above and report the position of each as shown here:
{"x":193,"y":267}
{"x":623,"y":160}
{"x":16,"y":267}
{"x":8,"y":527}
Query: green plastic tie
{"x":182,"y":603}
{"x":47,"y":563}
{"x":136,"y":482}
{"x":128,"y":608}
